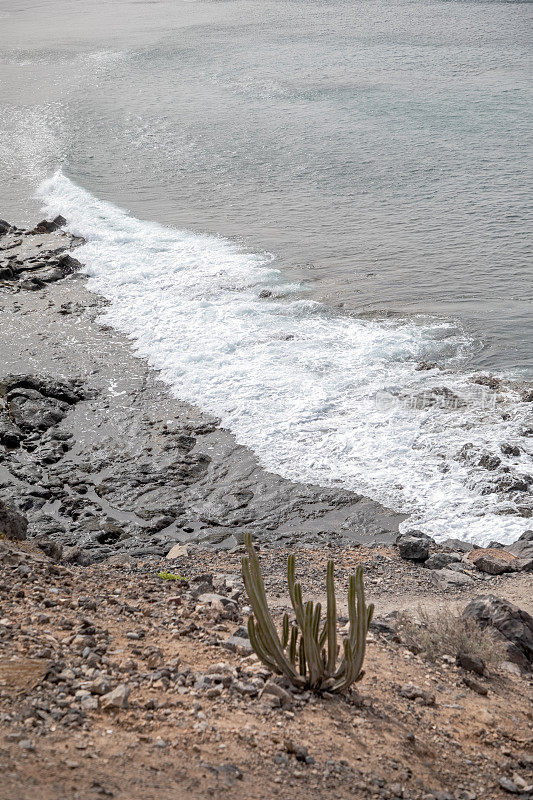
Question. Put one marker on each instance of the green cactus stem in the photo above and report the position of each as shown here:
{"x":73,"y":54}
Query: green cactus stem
{"x":306,"y":654}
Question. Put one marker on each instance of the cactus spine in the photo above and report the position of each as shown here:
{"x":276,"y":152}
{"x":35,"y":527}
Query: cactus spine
{"x":307,"y":654}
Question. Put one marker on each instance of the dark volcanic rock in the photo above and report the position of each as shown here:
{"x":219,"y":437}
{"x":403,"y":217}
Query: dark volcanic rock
{"x":53,"y":550}
{"x":5,"y":227}
{"x":32,"y":284}
{"x":12,"y":524}
{"x":70,"y":391}
{"x":413,"y":547}
{"x":36,"y":404}
{"x":450,"y":579}
{"x":471,"y":663}
{"x":441,"y":560}
{"x":68,"y":265}
{"x":489,"y":461}
{"x":33,"y":411}
{"x":457,"y":545}
{"x":6,"y":273}
{"x":46,"y":226}
{"x":513,"y":624}
{"x":493,"y":561}
{"x":10,"y":435}
{"x":510,"y":449}
{"x":523,"y":550}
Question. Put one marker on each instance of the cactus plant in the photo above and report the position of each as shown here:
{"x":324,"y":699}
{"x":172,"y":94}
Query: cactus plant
{"x":307,"y":653}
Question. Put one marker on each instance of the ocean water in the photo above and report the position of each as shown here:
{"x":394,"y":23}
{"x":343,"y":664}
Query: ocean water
{"x":291,"y":205}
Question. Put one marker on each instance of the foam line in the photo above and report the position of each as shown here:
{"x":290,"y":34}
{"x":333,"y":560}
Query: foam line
{"x":319,"y":397}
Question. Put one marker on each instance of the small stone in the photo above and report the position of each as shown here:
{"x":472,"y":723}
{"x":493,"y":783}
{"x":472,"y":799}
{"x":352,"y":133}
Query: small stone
{"x":89,"y":702}
{"x":512,"y":669}
{"x":412,"y":692}
{"x":475,"y":686}
{"x":449,"y":579}
{"x":298,"y":750}
{"x":277,"y":691}
{"x":471,"y":663}
{"x":485,"y":717}
{"x":396,"y":790}
{"x":100,"y":686}
{"x":53,"y":550}
{"x":246,"y":689}
{"x":178,"y":551}
{"x":456,"y":545}
{"x":509,"y":785}
{"x":118,"y":698}
{"x":441,"y":560}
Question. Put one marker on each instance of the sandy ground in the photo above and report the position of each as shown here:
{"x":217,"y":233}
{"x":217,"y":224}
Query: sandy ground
{"x":178,"y":737}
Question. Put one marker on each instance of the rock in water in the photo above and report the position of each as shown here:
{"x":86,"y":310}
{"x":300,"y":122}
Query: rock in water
{"x":68,"y":264}
{"x":45,"y":226}
{"x":12,"y":524}
{"x":513,"y":624}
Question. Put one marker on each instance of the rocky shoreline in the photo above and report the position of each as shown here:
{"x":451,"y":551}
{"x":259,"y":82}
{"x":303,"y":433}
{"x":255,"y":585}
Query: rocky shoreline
{"x":99,"y":456}
{"x":97,"y":453}
{"x":125,"y":667}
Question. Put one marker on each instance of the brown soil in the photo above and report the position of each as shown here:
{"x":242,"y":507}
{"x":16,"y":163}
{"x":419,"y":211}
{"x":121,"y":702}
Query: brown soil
{"x":177,"y":741}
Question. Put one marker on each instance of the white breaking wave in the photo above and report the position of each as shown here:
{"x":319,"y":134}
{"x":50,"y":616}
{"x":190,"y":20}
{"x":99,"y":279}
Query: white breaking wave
{"x":319,"y":398}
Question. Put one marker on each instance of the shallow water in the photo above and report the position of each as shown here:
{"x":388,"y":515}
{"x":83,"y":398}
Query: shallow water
{"x":367,"y":155}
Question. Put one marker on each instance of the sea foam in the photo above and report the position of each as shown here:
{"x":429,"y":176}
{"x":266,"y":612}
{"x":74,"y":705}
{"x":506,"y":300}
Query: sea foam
{"x":319,"y":396}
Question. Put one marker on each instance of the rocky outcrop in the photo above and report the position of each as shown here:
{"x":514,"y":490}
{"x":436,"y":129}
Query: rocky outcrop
{"x":34,"y":404}
{"x":414,"y":546}
{"x":12,"y":524}
{"x":29,"y":260}
{"x":493,"y":561}
{"x":46,"y":226}
{"x":523,"y":550}
{"x":31,"y":407}
{"x":513,"y":625}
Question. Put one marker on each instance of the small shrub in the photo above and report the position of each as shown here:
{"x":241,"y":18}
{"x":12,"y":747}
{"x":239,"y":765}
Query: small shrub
{"x":447,"y":633}
{"x":170,"y":576}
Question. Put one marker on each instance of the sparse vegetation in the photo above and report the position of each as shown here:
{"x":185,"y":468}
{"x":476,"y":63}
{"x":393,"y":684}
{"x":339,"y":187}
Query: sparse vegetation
{"x":307,"y":654}
{"x":170,"y":576}
{"x":447,"y":633}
